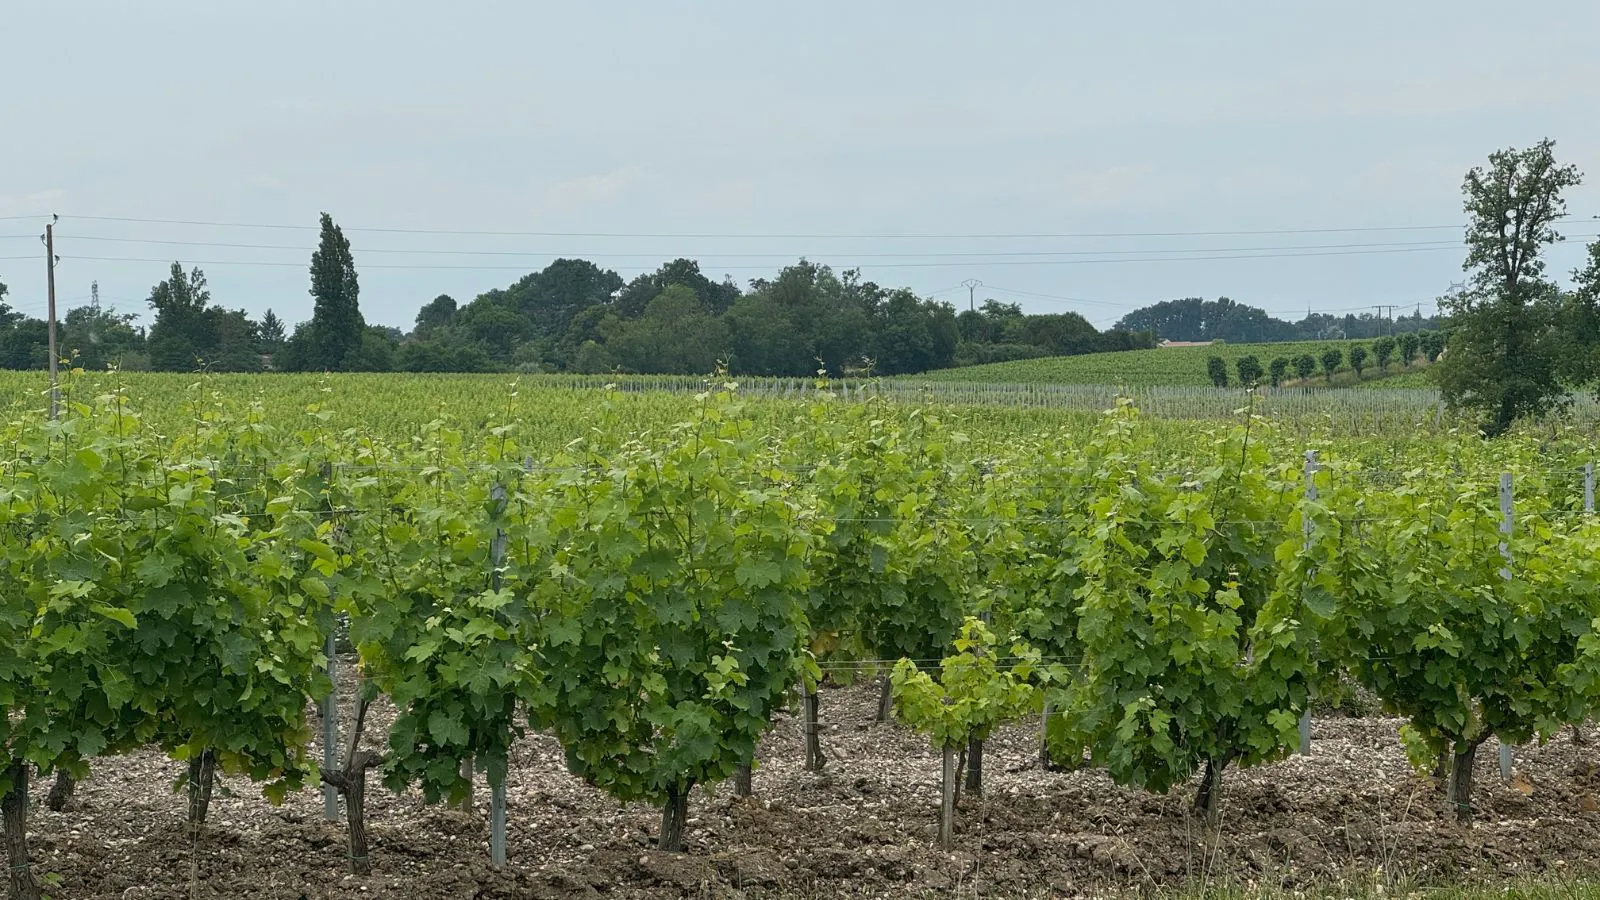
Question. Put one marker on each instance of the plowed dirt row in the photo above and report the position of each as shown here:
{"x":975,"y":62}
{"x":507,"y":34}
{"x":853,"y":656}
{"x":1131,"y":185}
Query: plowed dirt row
{"x":1350,"y":812}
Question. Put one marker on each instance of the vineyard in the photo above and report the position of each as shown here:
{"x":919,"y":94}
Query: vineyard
{"x":653,"y":589}
{"x":550,"y":410}
{"x":1171,"y":366}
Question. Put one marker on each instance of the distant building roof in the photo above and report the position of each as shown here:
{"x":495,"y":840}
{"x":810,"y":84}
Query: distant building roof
{"x":1185,"y":343}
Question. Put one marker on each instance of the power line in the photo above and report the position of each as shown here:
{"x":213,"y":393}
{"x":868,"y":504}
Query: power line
{"x":1341,"y":309}
{"x":934,"y":254}
{"x":972,"y":285}
{"x":890,"y":265}
{"x":786,"y":236}
{"x":1037,"y":296}
{"x":1123,"y":303}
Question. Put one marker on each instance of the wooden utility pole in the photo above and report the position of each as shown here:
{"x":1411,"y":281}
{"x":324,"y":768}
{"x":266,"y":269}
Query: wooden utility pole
{"x":65,"y":783}
{"x":1507,"y":523}
{"x":50,"y":310}
{"x":1389,"y":318}
{"x":1310,"y":494}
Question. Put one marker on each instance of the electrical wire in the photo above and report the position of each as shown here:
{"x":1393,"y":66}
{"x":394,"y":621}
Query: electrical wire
{"x":783,"y":236}
{"x":771,"y":255}
{"x":1059,"y":299}
{"x":917,"y":265}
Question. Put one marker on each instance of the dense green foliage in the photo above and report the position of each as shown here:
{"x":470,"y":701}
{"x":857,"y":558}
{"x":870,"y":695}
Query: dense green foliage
{"x":552,"y":410}
{"x":1469,"y":632}
{"x":674,"y":617}
{"x":1250,"y":371}
{"x":1331,"y":359}
{"x":436,"y":627}
{"x":996,"y":332}
{"x":1358,"y":358}
{"x":1278,"y":370}
{"x":650,"y":591}
{"x":189,"y":333}
{"x":1217,"y":371}
{"x":979,"y":687}
{"x":166,"y":593}
{"x":335,"y":340}
{"x":1161,"y":366}
{"x":1196,"y":319}
{"x":572,"y":316}
{"x":887,"y":572}
{"x":1522,"y":345}
{"x":575,"y":316}
{"x":1519,"y":345}
{"x":1383,"y":351}
{"x":1190,"y":656}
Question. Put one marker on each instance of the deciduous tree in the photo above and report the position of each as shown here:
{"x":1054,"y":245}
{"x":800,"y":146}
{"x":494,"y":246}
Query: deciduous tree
{"x":1383,"y":350}
{"x":1358,"y":358}
{"x":1409,"y":343}
{"x":1250,"y":371}
{"x":1503,"y":362}
{"x":1279,"y":369}
{"x":1332,"y":358}
{"x":1217,"y":370}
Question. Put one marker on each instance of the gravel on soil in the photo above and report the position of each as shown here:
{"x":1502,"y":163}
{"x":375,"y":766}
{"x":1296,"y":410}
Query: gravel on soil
{"x":1351,"y":812}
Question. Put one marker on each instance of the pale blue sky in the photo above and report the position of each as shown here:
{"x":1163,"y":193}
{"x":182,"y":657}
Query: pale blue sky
{"x":742,"y":120}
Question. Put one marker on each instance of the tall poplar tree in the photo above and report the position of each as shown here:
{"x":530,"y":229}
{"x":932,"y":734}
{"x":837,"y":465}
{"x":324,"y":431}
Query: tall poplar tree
{"x":336,"y":323}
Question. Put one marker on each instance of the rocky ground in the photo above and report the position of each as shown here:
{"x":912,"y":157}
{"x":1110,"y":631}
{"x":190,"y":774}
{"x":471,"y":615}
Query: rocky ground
{"x":1350,"y":813}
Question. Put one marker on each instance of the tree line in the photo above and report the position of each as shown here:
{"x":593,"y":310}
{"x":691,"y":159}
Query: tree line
{"x":1197,"y":319}
{"x":1515,"y":343}
{"x":1520,"y":345}
{"x":572,"y":316}
{"x":1405,"y":349}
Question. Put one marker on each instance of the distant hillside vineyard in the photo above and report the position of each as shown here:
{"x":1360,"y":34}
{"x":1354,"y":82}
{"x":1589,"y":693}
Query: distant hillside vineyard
{"x":1172,"y":366}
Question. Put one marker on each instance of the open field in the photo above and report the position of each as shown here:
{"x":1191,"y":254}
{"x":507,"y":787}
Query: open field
{"x":1175,"y":366}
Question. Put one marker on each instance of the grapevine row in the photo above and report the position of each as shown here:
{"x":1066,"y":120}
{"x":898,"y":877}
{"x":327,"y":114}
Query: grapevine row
{"x":651,"y":599}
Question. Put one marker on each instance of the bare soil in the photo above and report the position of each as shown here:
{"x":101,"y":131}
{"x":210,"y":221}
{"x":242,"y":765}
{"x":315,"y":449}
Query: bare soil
{"x":1350,"y":813}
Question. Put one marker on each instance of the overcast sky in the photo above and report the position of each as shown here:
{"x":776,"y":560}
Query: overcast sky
{"x":898,"y":136}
